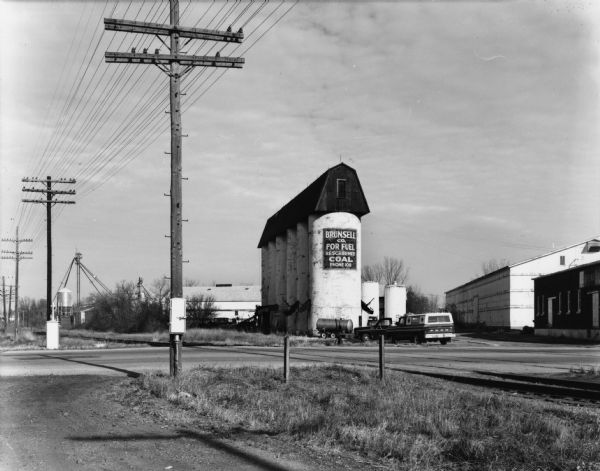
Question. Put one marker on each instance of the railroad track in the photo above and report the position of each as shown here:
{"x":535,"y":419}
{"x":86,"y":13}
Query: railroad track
{"x":555,"y":389}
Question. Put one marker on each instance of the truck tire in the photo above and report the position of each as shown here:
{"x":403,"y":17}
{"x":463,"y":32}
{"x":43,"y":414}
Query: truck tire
{"x":332,"y":335}
{"x":444,"y":341}
{"x":365,"y":337}
{"x":323,"y":335}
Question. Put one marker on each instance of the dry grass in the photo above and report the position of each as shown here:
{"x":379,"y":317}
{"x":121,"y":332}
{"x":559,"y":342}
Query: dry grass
{"x":30,"y":341}
{"x":409,"y":422}
{"x":225,"y":337}
{"x":587,"y":371}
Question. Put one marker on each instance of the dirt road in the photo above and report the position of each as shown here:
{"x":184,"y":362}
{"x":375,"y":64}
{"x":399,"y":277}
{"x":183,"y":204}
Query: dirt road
{"x":103,"y":423}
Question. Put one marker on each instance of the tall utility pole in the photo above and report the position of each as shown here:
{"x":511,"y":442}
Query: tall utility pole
{"x":49,"y":202}
{"x":17,"y":256}
{"x":175,"y":60}
{"x":5,"y":313}
{"x":4,"y":303}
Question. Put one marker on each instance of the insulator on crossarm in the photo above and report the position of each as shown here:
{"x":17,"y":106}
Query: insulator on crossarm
{"x":133,"y":50}
{"x":229,"y":29}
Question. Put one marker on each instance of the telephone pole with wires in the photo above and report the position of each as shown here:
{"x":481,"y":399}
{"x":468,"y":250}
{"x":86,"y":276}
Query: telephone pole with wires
{"x":49,"y":202}
{"x":17,"y":255}
{"x":175,"y":65}
{"x":5,"y":295}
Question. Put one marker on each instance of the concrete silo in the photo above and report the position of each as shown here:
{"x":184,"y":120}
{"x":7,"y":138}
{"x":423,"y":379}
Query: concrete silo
{"x":311,"y":254}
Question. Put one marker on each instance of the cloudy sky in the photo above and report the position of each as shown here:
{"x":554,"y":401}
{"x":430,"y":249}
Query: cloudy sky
{"x":473,"y":127}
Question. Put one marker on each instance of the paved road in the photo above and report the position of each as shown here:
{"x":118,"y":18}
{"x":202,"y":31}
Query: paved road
{"x":463,"y":355}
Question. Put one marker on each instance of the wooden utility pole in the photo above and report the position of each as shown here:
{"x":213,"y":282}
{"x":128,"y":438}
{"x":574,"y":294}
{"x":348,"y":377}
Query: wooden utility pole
{"x":4,"y":303}
{"x":175,"y":60}
{"x":17,"y":256}
{"x":49,"y":202}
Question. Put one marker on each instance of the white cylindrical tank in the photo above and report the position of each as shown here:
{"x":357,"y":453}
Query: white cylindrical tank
{"x":291,"y":278}
{"x":64,"y":298}
{"x":370,"y":296}
{"x":335,"y":267}
{"x":394,"y":301}
{"x":302,"y":286}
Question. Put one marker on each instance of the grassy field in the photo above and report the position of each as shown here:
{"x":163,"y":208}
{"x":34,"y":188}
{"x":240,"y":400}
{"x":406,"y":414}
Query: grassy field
{"x":227,"y":337}
{"x":406,"y":422}
{"x":29,"y":341}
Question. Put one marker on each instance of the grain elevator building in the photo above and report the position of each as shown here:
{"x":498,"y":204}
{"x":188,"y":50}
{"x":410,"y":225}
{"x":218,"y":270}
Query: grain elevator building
{"x":311,"y":254}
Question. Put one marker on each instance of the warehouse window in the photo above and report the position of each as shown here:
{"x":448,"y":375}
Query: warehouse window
{"x":562,"y":259}
{"x":578,"y":301}
{"x":341,"y":188}
{"x":560,"y":303}
{"x":569,"y":301}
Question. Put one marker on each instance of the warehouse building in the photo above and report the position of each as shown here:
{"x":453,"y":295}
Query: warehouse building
{"x":231,"y":303}
{"x":505,"y":297}
{"x":567,"y":303}
{"x":311,"y":254}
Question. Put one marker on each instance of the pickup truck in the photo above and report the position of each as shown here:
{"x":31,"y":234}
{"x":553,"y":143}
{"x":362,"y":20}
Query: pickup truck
{"x":418,"y":328}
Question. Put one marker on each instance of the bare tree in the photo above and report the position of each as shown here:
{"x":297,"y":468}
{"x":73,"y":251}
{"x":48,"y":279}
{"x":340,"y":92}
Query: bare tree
{"x":160,"y":288}
{"x":191,"y":282}
{"x":371,"y":273}
{"x":394,"y":271}
{"x":391,"y":271}
{"x":493,"y":265}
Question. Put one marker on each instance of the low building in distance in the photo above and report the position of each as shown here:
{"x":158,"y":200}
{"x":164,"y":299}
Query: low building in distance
{"x":505,"y":297}
{"x":231,"y":303}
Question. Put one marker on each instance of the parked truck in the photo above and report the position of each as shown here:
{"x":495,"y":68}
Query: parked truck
{"x":418,"y":328}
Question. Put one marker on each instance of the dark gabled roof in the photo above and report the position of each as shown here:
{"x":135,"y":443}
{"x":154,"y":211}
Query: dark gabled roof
{"x":320,"y":197}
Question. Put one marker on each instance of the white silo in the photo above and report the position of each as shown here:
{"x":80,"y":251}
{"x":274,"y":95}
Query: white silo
{"x":291,"y":279}
{"x":370,"y":296}
{"x":302,"y":279}
{"x":271,"y":293}
{"x":264,"y":272}
{"x":394,"y":302}
{"x":335,"y":267}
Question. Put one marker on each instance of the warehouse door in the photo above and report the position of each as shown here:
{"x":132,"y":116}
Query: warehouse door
{"x":595,"y":309}
{"x":550,"y":310}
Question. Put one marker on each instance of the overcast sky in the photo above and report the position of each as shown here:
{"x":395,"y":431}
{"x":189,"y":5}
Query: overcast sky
{"x":473,"y":127}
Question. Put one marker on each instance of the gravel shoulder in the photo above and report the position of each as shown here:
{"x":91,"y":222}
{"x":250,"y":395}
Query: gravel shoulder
{"x":90,"y":422}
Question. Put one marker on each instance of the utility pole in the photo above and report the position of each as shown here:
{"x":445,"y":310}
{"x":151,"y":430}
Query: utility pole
{"x":5,"y":313}
{"x":49,"y":202}
{"x":175,"y":60}
{"x":17,"y":256}
{"x":4,"y":303}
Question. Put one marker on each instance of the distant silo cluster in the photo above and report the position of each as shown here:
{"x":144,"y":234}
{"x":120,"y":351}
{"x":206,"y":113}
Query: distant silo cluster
{"x":311,"y":257}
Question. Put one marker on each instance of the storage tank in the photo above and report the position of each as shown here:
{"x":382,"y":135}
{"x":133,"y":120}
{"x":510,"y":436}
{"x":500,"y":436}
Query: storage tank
{"x":394,"y":302}
{"x":64,"y":298}
{"x":370,"y":296}
{"x":335,"y":267}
